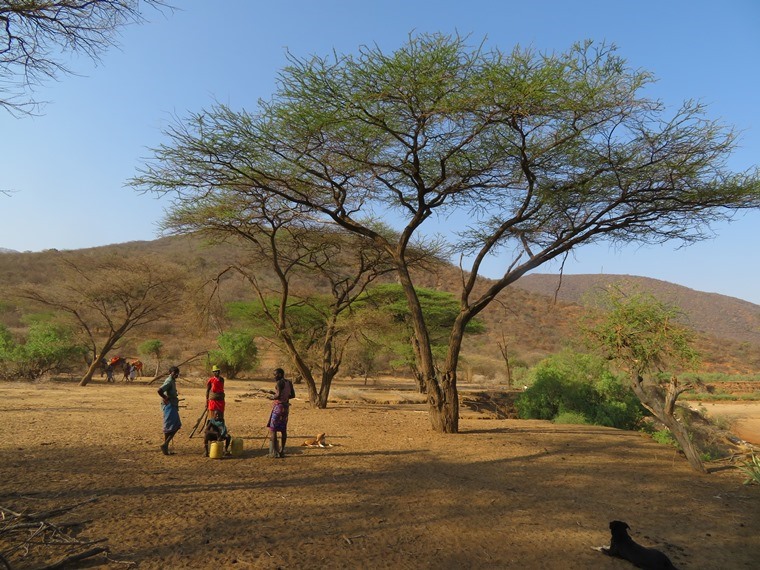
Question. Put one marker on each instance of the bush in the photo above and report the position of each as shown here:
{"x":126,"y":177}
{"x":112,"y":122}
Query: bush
{"x":237,"y":352}
{"x":751,"y":468}
{"x":579,"y":384}
{"x":664,"y":437}
{"x":46,"y":348}
{"x":571,"y":418}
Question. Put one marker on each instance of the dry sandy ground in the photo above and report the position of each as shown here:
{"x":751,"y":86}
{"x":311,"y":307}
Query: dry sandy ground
{"x":390,"y":493}
{"x":744,"y":417}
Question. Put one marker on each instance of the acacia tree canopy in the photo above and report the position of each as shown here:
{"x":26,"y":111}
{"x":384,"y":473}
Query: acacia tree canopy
{"x":33,"y":33}
{"x":537,"y":153}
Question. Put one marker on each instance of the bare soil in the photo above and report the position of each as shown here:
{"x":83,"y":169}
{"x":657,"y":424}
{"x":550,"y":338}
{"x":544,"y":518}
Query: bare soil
{"x":389,"y":493}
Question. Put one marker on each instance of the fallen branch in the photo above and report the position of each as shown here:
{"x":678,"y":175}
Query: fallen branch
{"x":23,"y":532}
{"x":75,"y":558}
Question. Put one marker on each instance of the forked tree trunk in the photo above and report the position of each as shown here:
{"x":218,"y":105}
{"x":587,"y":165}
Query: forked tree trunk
{"x":662,"y":407}
{"x":443,"y":403}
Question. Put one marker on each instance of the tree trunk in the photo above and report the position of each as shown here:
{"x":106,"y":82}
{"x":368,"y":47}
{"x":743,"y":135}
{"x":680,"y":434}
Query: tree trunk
{"x":90,"y":372}
{"x":443,"y":403}
{"x":662,"y":407}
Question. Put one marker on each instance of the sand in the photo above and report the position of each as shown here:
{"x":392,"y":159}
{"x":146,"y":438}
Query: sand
{"x":390,"y":493}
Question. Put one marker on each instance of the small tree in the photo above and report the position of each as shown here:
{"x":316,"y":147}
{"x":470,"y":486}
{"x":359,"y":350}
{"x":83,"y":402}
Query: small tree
{"x":107,"y":297}
{"x":237,"y":352}
{"x":299,"y":257}
{"x":643,"y":335}
{"x":152,"y":348}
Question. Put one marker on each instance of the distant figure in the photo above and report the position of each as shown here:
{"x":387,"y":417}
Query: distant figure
{"x":109,"y":373}
{"x":216,"y":430}
{"x":126,"y":370}
{"x":215,"y":392}
{"x":170,"y":408}
{"x":278,"y":420}
{"x":132,"y":373}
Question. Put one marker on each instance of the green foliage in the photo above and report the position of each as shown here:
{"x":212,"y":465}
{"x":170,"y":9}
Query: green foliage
{"x":305,"y":319}
{"x":47,"y":347}
{"x":386,"y":308}
{"x":237,"y":352}
{"x":751,"y":468}
{"x":7,"y":343}
{"x":717,"y":377}
{"x":151,"y":347}
{"x":571,"y":383}
{"x":643,"y":334}
{"x":665,"y":437}
{"x":571,"y":418}
{"x":540,"y":152}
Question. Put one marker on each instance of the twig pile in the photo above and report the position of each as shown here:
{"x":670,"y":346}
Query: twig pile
{"x":32,"y":535}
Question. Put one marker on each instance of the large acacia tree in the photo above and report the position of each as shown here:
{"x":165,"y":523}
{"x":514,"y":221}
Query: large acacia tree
{"x":107,"y":297}
{"x":527,"y":155}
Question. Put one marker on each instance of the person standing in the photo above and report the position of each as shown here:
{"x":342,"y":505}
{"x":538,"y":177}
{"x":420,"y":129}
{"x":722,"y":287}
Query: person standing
{"x":126,"y":369}
{"x":170,"y":407}
{"x":278,"y":420}
{"x":215,"y":393}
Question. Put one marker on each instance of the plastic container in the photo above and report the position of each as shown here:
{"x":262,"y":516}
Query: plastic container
{"x":236,"y":447}
{"x":216,"y":449}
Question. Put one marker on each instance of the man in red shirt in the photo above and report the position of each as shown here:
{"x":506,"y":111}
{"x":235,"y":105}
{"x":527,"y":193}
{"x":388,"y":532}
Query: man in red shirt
{"x":215,"y":393}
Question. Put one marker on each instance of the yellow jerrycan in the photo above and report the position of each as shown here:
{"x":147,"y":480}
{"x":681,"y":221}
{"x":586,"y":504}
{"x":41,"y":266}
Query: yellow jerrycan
{"x":216,"y":449}
{"x":236,"y":446}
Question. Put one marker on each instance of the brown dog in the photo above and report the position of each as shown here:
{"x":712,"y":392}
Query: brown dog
{"x":623,"y":546}
{"x":318,"y":441}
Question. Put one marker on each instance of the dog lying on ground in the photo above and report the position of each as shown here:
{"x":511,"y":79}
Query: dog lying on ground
{"x":318,"y":441}
{"x":623,"y":546}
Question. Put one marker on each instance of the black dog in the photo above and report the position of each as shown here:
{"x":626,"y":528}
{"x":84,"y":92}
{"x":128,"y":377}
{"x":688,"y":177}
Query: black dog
{"x":623,"y":546}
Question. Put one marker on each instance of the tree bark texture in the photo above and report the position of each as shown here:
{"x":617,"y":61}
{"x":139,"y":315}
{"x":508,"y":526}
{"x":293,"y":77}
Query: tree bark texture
{"x":662,"y":407}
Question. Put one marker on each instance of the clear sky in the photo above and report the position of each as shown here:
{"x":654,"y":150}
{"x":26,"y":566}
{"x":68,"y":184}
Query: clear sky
{"x":67,"y":169}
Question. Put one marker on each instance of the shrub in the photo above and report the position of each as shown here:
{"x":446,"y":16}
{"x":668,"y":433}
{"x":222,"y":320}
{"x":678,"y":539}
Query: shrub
{"x":46,"y":348}
{"x":579,"y":383}
{"x":237,"y":352}
{"x":751,"y":468}
{"x":571,"y":418}
{"x":664,"y":437}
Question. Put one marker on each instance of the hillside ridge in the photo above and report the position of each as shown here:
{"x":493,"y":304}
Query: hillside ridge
{"x":532,"y":317}
{"x":718,"y":315}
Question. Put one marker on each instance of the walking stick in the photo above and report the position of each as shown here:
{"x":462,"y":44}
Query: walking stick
{"x":200,"y":419}
{"x":266,"y":436}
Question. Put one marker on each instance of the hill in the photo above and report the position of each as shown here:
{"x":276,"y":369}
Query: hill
{"x":710,"y":313}
{"x":526,"y":323}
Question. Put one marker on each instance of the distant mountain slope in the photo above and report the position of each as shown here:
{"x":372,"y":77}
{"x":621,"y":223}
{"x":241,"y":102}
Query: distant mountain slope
{"x":713,"y":314}
{"x":525,"y":318}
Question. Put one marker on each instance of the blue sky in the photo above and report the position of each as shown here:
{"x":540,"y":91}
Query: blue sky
{"x":67,"y":168}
